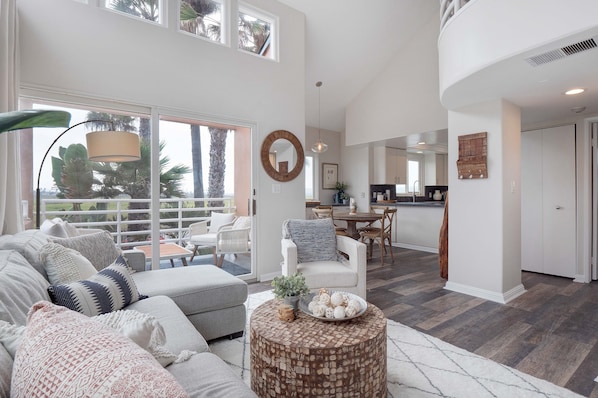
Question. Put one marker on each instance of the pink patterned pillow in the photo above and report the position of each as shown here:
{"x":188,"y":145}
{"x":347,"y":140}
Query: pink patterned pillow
{"x":67,"y":354}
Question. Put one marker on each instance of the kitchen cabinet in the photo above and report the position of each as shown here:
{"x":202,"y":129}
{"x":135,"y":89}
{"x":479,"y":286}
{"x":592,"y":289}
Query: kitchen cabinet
{"x":417,"y":226}
{"x":441,"y":169}
{"x":548,"y":201}
{"x":390,"y":165}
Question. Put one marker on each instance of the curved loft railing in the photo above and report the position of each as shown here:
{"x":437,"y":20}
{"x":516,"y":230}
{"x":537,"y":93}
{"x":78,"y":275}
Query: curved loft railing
{"x":450,"y":8}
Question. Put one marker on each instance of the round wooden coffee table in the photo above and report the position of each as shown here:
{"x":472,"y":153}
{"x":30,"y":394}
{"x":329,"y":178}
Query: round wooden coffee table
{"x":313,"y":358}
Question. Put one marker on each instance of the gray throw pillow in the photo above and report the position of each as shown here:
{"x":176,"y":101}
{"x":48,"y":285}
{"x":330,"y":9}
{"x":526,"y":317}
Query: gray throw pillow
{"x":98,"y":248}
{"x":315,"y":239}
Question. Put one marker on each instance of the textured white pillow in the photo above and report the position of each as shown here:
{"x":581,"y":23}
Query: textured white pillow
{"x":66,"y":354}
{"x":64,"y":265}
{"x":54,"y":227}
{"x":143,"y":329}
{"x":219,"y":219}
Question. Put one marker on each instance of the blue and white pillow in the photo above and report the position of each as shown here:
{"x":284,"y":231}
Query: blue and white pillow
{"x":109,"y":290}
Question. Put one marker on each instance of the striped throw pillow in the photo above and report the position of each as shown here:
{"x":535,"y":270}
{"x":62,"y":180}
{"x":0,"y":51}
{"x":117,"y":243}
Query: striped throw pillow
{"x":109,"y":290}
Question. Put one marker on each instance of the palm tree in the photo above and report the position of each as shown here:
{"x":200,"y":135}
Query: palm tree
{"x":146,"y":9}
{"x":195,"y":18}
{"x":197,"y":165}
{"x":133,"y":178}
{"x":73,"y":174}
{"x":217,"y":164}
{"x":253,"y":33}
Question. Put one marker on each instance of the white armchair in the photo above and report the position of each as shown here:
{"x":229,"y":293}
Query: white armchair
{"x":234,"y":239}
{"x":203,"y":235}
{"x":311,"y":247}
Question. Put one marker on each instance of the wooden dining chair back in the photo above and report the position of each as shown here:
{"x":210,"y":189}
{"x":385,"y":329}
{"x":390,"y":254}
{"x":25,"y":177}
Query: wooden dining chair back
{"x":381,"y":235}
{"x":326,"y":212}
{"x":322,"y":212}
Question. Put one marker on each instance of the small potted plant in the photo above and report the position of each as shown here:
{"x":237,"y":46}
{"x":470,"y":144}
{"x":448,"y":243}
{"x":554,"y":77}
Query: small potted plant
{"x":340,"y":188}
{"x":290,"y":288}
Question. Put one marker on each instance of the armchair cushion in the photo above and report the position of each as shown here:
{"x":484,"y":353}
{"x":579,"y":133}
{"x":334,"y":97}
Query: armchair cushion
{"x":217,"y":220}
{"x":315,"y":239}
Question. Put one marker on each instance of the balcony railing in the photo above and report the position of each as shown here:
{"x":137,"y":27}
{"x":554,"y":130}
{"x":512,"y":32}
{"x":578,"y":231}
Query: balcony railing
{"x":450,"y":8}
{"x":113,"y":215}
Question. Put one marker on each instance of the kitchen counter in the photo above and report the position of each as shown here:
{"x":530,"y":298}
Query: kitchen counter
{"x":430,"y":203}
{"x":417,"y":225}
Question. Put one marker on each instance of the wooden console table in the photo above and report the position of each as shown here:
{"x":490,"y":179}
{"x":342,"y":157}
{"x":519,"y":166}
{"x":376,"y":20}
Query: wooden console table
{"x":313,"y":358}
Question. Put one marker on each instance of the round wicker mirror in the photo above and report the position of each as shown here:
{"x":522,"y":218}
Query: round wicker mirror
{"x":282,"y":155}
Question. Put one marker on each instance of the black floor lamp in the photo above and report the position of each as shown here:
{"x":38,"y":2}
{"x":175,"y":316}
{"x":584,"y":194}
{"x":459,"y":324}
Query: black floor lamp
{"x":102,"y":146}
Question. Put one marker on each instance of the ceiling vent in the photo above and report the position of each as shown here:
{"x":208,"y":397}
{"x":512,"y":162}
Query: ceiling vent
{"x":562,"y":52}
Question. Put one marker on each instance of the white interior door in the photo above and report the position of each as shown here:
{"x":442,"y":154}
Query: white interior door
{"x":532,"y":256}
{"x":548,"y":201}
{"x":559,"y":200}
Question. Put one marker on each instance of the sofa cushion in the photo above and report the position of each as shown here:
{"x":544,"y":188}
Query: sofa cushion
{"x":315,"y":239}
{"x":217,"y":220}
{"x":64,"y":265}
{"x":143,"y":329}
{"x":99,"y":248}
{"x":17,"y":276}
{"x":109,"y":290}
{"x":28,"y":243}
{"x":10,"y":336}
{"x":217,"y":378}
{"x":179,"y":332}
{"x":67,"y":354}
{"x":6,"y":363}
{"x":194,"y":289}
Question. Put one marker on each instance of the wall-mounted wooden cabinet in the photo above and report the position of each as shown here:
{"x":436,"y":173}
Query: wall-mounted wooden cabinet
{"x":390,"y":166}
{"x":441,"y":169}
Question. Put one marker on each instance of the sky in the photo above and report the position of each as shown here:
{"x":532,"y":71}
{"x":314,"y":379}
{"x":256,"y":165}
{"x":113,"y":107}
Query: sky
{"x":178,"y":148}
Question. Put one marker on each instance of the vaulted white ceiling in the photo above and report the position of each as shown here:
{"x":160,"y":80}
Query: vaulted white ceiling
{"x":347,"y":43}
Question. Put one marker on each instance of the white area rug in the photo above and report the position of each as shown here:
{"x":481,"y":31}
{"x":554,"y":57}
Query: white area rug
{"x":419,"y":365}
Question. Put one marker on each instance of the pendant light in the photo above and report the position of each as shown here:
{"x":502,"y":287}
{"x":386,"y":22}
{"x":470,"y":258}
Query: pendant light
{"x":319,"y":146}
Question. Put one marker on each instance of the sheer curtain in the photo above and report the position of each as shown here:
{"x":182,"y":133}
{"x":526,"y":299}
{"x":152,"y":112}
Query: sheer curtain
{"x":11,"y":219}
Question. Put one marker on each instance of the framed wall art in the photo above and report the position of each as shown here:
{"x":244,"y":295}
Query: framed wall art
{"x":329,"y":175}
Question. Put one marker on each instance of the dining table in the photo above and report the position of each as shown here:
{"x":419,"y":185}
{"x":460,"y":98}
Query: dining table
{"x":353,"y":218}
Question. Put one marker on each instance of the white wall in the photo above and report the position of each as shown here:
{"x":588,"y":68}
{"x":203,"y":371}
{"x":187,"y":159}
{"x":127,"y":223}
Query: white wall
{"x":332,"y":155}
{"x":485,"y":242}
{"x":72,"y":49}
{"x":404,"y":98}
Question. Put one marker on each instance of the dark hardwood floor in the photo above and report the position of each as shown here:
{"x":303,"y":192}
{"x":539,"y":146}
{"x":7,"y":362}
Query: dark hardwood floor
{"x":550,"y":332}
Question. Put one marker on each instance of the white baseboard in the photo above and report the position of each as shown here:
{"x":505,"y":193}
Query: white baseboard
{"x":501,"y":298}
{"x":269,"y":277}
{"x":416,"y":247}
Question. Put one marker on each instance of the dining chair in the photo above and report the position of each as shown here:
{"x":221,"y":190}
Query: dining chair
{"x":327,"y":212}
{"x":381,"y":234}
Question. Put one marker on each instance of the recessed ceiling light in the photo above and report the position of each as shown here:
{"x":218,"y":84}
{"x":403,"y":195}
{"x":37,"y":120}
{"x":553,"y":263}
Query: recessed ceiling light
{"x":421,"y":143}
{"x":574,"y":91}
{"x":420,"y":151}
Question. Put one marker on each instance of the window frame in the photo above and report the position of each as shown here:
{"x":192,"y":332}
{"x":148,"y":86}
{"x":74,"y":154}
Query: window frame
{"x":265,"y":16}
{"x":224,"y":24}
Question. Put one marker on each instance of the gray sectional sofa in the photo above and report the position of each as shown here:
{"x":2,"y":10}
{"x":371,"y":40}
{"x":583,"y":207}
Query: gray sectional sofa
{"x":192,"y":304}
